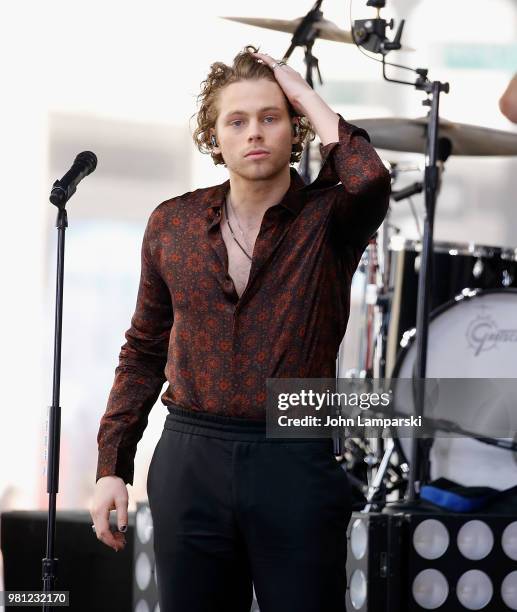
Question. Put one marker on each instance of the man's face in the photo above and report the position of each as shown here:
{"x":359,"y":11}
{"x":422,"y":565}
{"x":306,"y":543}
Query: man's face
{"x":254,"y":115}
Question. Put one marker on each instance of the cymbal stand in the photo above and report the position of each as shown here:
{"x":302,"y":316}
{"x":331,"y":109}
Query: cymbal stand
{"x":304,"y":36}
{"x":371,"y":34}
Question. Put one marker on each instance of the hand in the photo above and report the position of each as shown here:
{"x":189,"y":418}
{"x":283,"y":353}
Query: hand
{"x":110,"y":494}
{"x":292,"y":83}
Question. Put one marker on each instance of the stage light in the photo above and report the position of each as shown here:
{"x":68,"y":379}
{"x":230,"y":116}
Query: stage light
{"x":145,"y":581}
{"x":358,"y":589}
{"x":475,"y":540}
{"x":509,"y":590}
{"x":474,"y":590}
{"x":509,"y":540}
{"x":431,"y":539}
{"x":144,"y":524}
{"x":430,"y":589}
{"x":366,"y":563}
{"x":142,"y":606}
{"x":143,"y":571}
{"x":416,"y":561}
{"x":358,"y":538}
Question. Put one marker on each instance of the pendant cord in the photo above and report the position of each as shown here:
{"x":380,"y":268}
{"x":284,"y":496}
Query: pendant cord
{"x":231,"y":230}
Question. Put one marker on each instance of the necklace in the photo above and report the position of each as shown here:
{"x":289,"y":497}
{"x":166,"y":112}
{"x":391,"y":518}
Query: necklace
{"x":237,"y":219}
{"x":231,"y":230}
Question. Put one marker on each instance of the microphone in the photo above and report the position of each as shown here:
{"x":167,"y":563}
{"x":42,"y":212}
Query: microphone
{"x":84,"y":164}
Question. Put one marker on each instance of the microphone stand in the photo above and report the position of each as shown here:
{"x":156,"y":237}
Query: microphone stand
{"x":62,"y":191}
{"x":304,"y":36}
{"x":371,"y":34}
{"x":49,"y":563}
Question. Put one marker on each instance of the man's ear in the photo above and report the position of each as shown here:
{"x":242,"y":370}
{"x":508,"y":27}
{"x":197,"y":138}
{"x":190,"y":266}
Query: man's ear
{"x":296,"y":131}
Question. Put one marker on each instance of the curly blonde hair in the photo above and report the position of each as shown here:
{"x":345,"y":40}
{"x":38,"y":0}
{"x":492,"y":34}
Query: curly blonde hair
{"x":245,"y":67}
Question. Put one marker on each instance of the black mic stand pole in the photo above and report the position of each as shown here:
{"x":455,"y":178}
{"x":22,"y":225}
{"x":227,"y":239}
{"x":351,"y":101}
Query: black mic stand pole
{"x":49,"y":564}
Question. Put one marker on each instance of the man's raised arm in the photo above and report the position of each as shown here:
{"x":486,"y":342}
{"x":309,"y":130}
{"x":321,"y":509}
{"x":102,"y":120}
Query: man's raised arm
{"x":362,"y":199}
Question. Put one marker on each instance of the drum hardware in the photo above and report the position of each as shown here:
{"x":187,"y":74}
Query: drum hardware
{"x":437,"y":149}
{"x":407,"y":192}
{"x":390,"y":477}
{"x":379,"y":476}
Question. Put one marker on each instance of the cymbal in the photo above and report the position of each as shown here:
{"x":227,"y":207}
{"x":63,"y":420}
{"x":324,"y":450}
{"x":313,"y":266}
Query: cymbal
{"x":327,"y":30}
{"x":409,"y":135}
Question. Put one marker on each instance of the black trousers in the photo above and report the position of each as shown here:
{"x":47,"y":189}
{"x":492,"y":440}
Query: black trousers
{"x":231,"y":508}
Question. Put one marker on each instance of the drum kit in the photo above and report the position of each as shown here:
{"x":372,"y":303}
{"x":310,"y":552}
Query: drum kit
{"x":472,"y":323}
{"x":472,"y":334}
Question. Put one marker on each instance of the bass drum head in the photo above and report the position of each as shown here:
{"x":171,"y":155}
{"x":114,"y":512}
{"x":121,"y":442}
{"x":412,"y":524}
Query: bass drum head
{"x":474,"y":336}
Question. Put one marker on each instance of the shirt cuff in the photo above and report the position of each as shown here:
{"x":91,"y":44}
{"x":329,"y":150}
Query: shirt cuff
{"x":345,"y":132}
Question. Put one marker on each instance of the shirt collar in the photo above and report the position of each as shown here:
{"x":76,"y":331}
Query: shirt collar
{"x":292,"y":200}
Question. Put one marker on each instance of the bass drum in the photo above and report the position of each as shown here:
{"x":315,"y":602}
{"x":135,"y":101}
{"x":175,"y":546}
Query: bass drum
{"x":473,"y":336}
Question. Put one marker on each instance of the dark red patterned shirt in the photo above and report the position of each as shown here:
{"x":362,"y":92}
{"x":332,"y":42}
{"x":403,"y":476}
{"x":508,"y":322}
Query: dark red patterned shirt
{"x":191,"y":329}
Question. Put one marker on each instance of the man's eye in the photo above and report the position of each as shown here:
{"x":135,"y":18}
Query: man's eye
{"x":272,"y":119}
{"x":236,"y":121}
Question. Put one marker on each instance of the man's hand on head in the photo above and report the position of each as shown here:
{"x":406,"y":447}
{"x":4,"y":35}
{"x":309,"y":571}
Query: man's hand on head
{"x":292,"y":83}
{"x":305,"y":101}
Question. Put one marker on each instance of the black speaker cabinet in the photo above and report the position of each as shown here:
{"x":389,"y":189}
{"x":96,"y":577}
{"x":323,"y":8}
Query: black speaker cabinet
{"x":98,"y":578}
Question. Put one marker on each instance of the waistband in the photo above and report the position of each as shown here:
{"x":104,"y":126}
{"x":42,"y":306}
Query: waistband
{"x":226,"y":427}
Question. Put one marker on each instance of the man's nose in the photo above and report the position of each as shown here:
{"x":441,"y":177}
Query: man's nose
{"x":255,"y":130}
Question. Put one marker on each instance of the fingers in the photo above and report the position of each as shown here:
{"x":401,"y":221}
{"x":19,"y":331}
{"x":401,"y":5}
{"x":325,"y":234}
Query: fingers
{"x":113,"y":539}
{"x":104,"y":502}
{"x":267,"y":59}
{"x":262,"y":56}
{"x":102,"y":529}
{"x":121,"y":507}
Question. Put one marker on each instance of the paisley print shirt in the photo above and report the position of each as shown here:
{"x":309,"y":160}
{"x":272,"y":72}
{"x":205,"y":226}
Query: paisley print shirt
{"x":216,"y":350}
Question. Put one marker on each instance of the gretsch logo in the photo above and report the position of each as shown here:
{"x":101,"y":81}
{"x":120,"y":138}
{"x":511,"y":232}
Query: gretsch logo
{"x":484,"y":335}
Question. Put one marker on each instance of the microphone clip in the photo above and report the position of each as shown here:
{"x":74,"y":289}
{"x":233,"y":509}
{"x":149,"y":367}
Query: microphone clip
{"x":371,"y":34}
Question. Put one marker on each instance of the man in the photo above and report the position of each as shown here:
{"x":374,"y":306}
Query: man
{"x":508,"y":101}
{"x":240,"y":282}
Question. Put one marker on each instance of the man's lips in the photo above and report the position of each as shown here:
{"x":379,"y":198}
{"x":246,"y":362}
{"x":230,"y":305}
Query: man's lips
{"x":257,"y":155}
